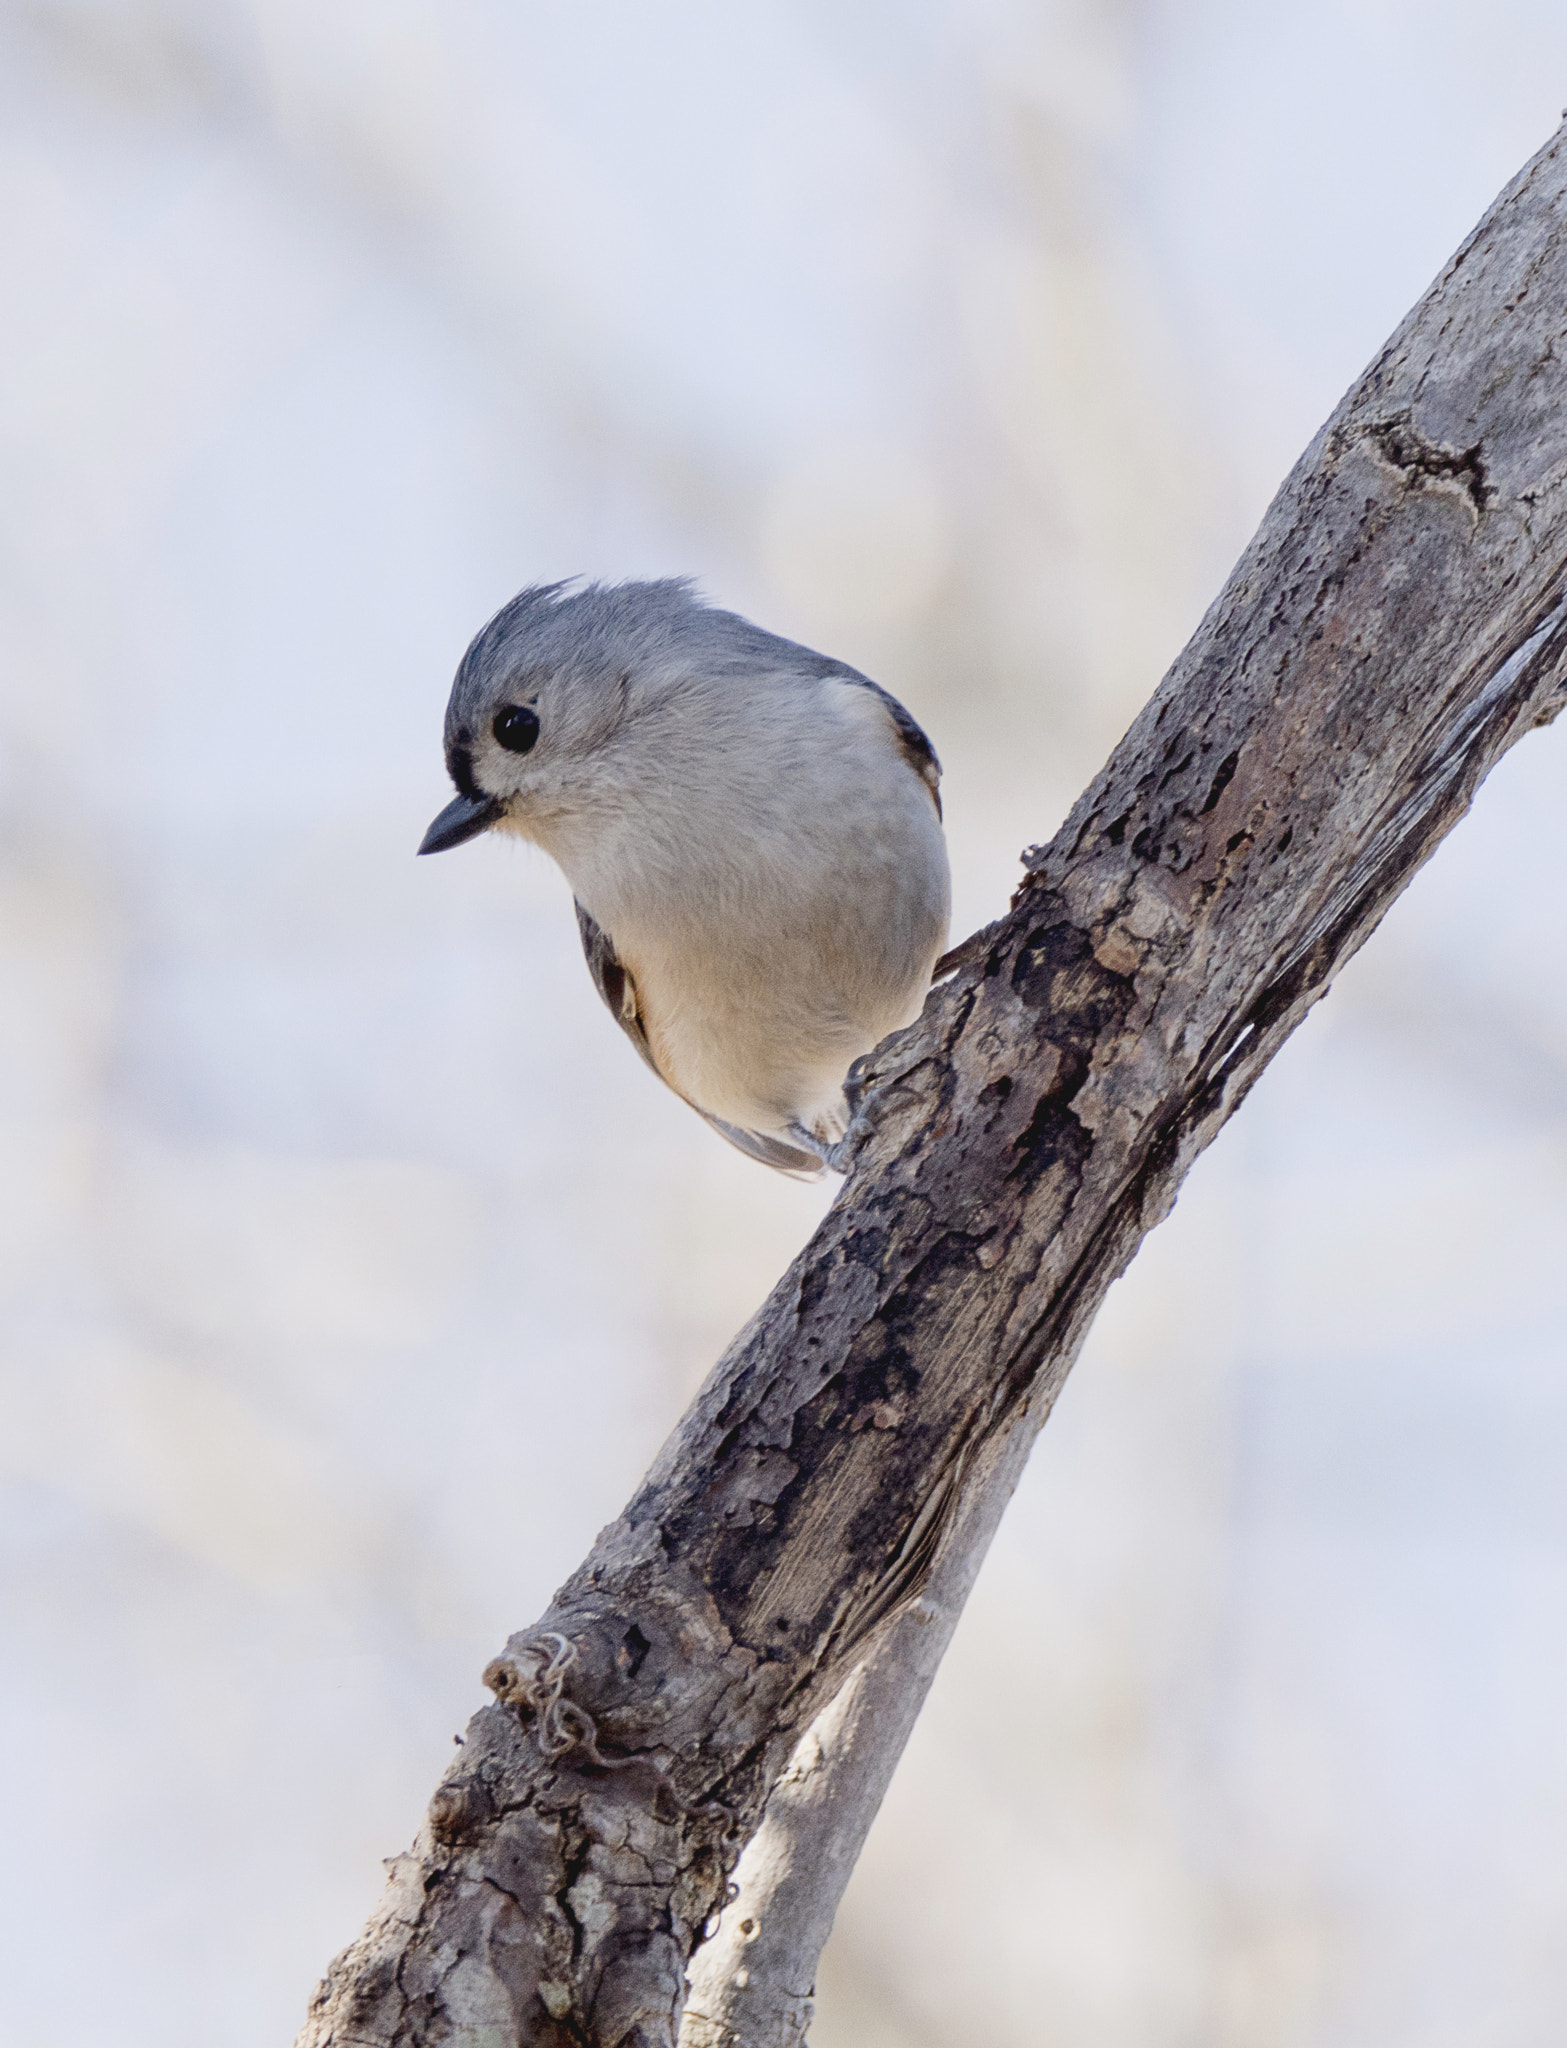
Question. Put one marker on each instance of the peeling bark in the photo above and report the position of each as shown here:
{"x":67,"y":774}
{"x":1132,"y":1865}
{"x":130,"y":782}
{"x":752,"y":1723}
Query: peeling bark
{"x":1399,"y":620}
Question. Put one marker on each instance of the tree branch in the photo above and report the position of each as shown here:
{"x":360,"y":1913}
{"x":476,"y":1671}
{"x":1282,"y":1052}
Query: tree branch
{"x":1399,"y":620}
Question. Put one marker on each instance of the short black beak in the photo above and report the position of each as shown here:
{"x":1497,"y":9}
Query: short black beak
{"x":463,"y":818}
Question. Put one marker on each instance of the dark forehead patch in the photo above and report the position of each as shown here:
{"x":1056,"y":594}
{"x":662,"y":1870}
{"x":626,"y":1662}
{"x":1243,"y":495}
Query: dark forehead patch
{"x":459,"y":763}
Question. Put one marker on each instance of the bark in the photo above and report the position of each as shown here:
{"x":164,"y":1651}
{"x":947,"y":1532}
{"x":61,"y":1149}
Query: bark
{"x":1398,"y":622}
{"x":751,"y":1984}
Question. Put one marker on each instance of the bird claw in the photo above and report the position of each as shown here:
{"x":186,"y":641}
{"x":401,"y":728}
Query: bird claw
{"x":819,"y":1148}
{"x":837,"y":1154}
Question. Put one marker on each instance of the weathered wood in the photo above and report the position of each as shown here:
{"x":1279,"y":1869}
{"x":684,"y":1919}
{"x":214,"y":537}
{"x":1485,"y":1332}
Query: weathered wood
{"x":1399,"y":620}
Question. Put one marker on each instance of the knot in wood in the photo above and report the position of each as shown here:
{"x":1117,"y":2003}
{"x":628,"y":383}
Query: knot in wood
{"x":459,"y":1808}
{"x":531,"y":1678}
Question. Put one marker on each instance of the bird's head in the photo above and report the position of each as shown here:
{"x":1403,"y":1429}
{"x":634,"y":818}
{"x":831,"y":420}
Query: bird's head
{"x":557,"y":702}
{"x":538,"y":692}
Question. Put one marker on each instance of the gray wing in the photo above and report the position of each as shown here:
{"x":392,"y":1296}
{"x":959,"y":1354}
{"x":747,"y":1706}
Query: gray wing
{"x":619,"y":992}
{"x":613,"y":983}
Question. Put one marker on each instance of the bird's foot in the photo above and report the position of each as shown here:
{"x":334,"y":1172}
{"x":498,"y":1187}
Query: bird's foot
{"x":824,"y":1149}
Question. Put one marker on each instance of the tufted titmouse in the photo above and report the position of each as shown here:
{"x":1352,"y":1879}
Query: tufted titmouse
{"x":751,"y":831}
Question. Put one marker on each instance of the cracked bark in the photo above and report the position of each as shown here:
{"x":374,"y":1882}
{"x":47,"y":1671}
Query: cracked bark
{"x":1399,"y":620}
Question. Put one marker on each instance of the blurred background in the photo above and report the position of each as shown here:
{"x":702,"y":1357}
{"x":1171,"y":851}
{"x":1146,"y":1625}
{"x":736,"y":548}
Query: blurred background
{"x":352,"y":1269}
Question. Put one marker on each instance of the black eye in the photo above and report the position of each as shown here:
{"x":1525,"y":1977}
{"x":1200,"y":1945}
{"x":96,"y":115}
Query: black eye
{"x":517,"y":727}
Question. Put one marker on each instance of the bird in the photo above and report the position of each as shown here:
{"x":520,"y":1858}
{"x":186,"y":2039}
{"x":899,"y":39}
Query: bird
{"x":751,"y":832}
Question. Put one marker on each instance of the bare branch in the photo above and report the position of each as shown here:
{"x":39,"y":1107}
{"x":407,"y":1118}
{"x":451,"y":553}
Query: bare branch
{"x":1397,"y":623}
